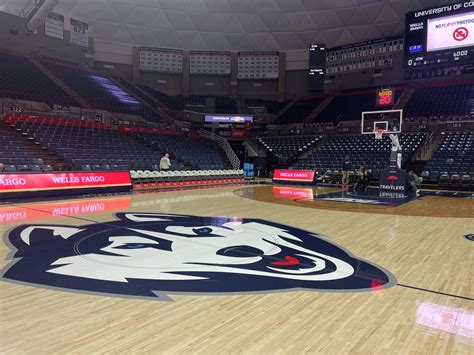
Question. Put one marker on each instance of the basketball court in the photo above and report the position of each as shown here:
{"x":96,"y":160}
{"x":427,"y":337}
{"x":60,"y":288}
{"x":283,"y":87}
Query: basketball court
{"x":400,"y":293}
{"x":236,"y":177}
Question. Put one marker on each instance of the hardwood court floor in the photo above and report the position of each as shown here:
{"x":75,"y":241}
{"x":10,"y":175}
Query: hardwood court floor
{"x":430,"y":310}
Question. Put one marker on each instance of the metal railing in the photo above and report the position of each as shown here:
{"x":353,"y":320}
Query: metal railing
{"x":29,"y":7}
{"x":234,"y":160}
{"x":423,"y":150}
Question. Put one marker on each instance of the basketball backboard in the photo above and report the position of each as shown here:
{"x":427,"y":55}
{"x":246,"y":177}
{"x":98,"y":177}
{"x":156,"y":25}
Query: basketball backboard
{"x":388,"y":120}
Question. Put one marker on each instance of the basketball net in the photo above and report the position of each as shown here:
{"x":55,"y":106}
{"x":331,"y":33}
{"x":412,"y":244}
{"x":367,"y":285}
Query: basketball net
{"x":378,"y":133}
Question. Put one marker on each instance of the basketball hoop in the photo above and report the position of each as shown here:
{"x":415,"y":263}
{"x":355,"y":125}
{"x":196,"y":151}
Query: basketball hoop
{"x":378,"y":133}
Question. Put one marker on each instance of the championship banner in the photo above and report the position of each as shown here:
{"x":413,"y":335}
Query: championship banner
{"x":365,"y":43}
{"x":54,"y":26}
{"x":14,"y":183}
{"x":79,"y":33}
{"x":294,"y":175}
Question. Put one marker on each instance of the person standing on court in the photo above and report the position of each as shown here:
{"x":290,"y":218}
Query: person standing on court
{"x":165,"y":163}
{"x":346,"y":167}
{"x":362,"y":178}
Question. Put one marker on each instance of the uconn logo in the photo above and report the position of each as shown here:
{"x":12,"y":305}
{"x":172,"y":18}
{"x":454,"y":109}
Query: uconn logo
{"x":151,"y":255}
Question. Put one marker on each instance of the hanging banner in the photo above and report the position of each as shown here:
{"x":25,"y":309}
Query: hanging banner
{"x":79,"y":33}
{"x":54,"y":26}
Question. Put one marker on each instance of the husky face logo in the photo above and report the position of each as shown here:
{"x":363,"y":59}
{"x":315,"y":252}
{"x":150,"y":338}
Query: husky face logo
{"x":151,"y":255}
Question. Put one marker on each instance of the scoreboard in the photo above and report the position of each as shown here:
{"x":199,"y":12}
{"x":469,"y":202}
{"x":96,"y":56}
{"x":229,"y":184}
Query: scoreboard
{"x":317,"y":67}
{"x":440,"y":36}
{"x":385,"y":97}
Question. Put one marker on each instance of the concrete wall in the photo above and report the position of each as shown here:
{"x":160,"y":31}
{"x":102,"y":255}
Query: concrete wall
{"x":265,"y":89}
{"x":114,"y":69}
{"x":171,"y":84}
{"x":296,"y":83}
{"x":15,"y":37}
{"x":210,"y":85}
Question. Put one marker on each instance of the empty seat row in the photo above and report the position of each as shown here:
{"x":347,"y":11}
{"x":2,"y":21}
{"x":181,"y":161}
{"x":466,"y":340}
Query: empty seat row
{"x":8,"y":168}
{"x":452,"y":164}
{"x":361,"y":149}
{"x":286,"y":148}
{"x":186,"y":175}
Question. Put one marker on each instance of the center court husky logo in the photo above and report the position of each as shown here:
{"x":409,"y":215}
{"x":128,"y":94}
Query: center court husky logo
{"x":152,"y":254}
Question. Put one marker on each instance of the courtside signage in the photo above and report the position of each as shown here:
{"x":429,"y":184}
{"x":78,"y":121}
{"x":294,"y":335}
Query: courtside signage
{"x":294,"y":175}
{"x":292,"y":193}
{"x":60,"y":181}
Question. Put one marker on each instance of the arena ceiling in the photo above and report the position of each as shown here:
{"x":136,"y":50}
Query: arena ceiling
{"x":238,"y":24}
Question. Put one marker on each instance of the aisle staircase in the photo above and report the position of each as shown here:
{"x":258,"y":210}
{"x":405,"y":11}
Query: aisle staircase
{"x":35,"y":147}
{"x":404,"y":98}
{"x":229,"y":152}
{"x":318,"y":109}
{"x":424,"y":152}
{"x":66,"y":88}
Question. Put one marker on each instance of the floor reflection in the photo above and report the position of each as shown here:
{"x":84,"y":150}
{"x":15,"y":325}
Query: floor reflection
{"x":445,"y":319}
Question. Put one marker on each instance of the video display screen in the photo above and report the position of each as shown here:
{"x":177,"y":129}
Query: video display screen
{"x":450,"y":32}
{"x":438,"y":36}
{"x":317,"y":67}
{"x":227,"y":119}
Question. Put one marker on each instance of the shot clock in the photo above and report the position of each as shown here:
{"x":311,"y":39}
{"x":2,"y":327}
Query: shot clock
{"x":385,"y":97}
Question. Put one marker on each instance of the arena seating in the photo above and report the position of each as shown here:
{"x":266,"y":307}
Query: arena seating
{"x":441,"y":99}
{"x":15,"y":157}
{"x":90,"y":146}
{"x":198,"y":103}
{"x":135,"y":90}
{"x":299,"y":110}
{"x":268,"y":106}
{"x":452,"y":164}
{"x":349,"y":105}
{"x":189,"y":153}
{"x":167,"y":101}
{"x":192,"y":103}
{"x":87,"y":145}
{"x":363,"y":150}
{"x":21,"y":79}
{"x":98,"y":90}
{"x":225,"y":104}
{"x":286,"y":148}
